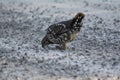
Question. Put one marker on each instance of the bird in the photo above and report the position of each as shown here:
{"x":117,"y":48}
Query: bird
{"x":63,"y":32}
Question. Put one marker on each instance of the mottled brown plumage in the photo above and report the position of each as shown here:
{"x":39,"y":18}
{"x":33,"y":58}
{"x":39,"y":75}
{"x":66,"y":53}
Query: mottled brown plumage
{"x":63,"y":32}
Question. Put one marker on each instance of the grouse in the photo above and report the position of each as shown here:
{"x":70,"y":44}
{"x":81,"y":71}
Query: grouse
{"x":63,"y":32}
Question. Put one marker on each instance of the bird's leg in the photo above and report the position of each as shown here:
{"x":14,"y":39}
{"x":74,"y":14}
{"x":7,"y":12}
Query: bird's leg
{"x":62,"y":46}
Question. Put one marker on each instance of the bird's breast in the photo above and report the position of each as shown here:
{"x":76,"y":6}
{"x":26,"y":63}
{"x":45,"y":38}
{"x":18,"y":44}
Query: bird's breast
{"x":72,"y":36}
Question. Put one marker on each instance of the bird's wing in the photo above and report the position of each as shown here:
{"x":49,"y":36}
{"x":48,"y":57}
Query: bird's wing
{"x":56,"y":29}
{"x":56,"y":33}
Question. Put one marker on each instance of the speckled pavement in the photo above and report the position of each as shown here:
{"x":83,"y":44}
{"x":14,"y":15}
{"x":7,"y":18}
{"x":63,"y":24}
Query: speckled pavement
{"x":93,"y":55}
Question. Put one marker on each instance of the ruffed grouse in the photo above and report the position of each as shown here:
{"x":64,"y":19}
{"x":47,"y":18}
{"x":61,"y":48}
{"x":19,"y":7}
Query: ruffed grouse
{"x":63,"y":32}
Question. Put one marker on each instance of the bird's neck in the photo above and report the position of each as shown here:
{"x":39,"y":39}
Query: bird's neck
{"x":76,"y":25}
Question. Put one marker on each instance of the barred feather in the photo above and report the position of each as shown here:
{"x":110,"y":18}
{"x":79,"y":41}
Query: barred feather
{"x":65,"y":31}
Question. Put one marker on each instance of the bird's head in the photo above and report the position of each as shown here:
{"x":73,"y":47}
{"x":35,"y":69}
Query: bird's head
{"x":79,"y":17}
{"x":77,"y":20}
